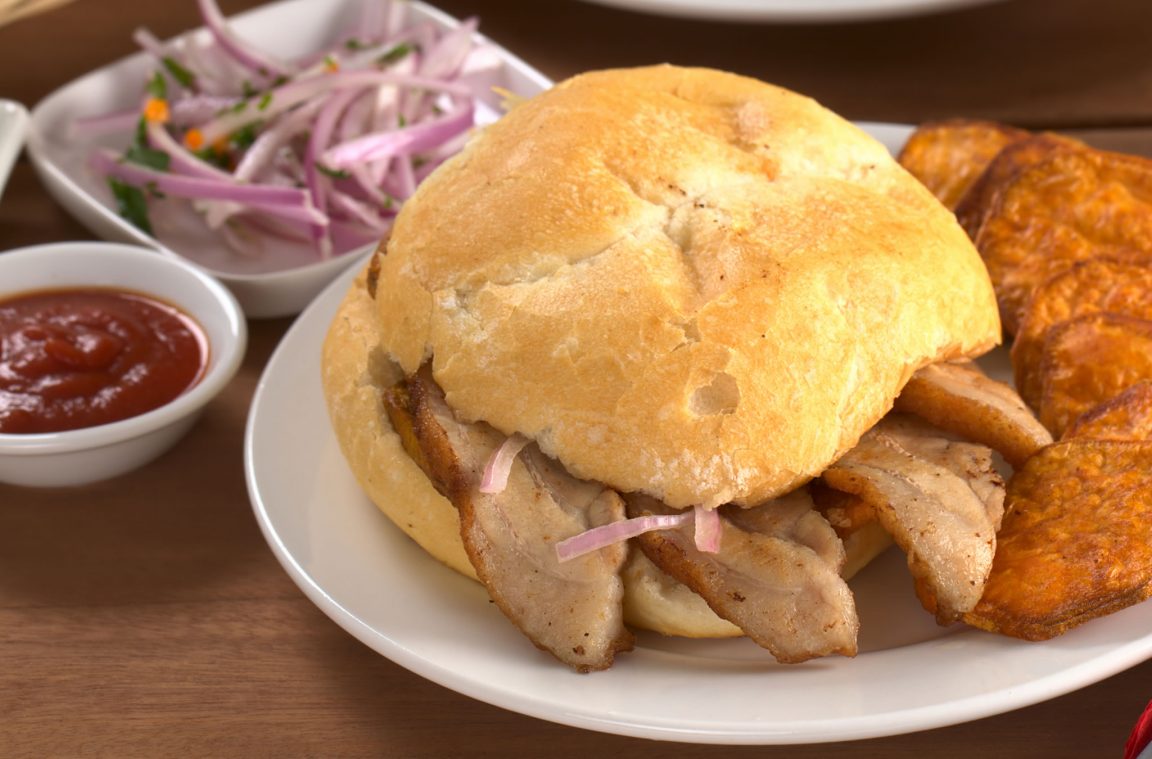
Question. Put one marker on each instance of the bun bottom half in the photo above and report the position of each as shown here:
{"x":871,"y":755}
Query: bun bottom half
{"x":355,"y":373}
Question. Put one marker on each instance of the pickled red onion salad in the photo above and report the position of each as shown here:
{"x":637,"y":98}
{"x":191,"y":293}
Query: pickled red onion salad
{"x":322,"y":150}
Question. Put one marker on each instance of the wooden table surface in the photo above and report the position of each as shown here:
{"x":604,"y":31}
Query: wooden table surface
{"x":146,"y":616}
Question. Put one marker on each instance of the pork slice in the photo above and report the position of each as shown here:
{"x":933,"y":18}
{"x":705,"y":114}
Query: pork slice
{"x":940,"y":498}
{"x":574,"y":609}
{"x":971,"y":462}
{"x":792,"y":517}
{"x":959,"y":397}
{"x":780,"y":592}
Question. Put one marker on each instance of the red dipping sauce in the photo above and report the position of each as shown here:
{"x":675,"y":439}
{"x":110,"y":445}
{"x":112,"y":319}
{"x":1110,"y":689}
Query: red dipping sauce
{"x":82,"y":357}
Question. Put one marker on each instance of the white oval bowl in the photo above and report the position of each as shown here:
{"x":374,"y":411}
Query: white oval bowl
{"x":76,"y":457}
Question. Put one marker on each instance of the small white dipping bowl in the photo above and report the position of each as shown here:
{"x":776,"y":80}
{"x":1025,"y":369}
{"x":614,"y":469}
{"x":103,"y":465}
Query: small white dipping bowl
{"x":89,"y":454}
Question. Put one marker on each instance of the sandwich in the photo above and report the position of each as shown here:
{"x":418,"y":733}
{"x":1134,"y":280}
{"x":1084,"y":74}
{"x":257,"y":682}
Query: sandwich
{"x":610,"y":350}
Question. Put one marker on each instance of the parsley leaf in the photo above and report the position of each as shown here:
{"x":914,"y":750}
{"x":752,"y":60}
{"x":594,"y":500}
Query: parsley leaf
{"x":146,"y":156}
{"x":131,"y":204}
{"x":158,"y":86}
{"x":397,"y":53}
{"x":246,"y":135}
{"x":182,"y":75}
{"x":334,"y":173}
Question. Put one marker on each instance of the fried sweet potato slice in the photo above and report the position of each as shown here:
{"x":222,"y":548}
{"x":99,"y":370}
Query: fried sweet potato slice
{"x":1128,"y":416}
{"x":960,"y":398}
{"x":1076,"y":540}
{"x":1088,"y":360}
{"x":1076,"y":204}
{"x":1014,"y":157}
{"x":1088,"y":287}
{"x":948,"y":156}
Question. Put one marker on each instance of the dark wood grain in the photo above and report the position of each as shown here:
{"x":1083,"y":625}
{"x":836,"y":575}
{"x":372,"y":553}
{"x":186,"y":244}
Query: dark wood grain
{"x":146,"y":617}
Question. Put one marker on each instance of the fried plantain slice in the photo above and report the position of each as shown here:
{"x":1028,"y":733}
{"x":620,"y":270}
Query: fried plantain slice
{"x":1128,"y":416}
{"x":1088,"y":360}
{"x":948,"y":156}
{"x":959,"y":397}
{"x":1015,"y":156}
{"x":1088,"y":287}
{"x":1076,"y":541}
{"x":1075,"y":204}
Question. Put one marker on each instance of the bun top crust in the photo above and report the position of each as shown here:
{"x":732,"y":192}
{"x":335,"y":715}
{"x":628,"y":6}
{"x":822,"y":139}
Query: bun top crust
{"x":679,"y":281}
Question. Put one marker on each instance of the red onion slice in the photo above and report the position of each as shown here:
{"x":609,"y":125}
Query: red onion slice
{"x":180,"y":160}
{"x":706,"y":524}
{"x":104,"y":124}
{"x":263,"y":151}
{"x":499,"y":466}
{"x":244,"y":54}
{"x":708,"y":529}
{"x":289,"y":202}
{"x":406,"y":141}
{"x":609,"y":534}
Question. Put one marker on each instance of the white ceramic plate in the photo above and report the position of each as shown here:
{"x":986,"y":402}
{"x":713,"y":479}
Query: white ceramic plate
{"x":378,"y":585}
{"x":290,"y":29}
{"x":790,"y":11}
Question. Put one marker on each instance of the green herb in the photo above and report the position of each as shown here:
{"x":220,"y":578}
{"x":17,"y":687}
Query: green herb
{"x":353,"y":44}
{"x":140,"y":137}
{"x":246,"y":135}
{"x":265,"y":101}
{"x":140,"y":152}
{"x":131,"y":204}
{"x":158,"y":86}
{"x":211,"y":155}
{"x":334,"y":173}
{"x":182,"y":75}
{"x":398,"y":53}
{"x":248,"y":89}
{"x":146,"y":156}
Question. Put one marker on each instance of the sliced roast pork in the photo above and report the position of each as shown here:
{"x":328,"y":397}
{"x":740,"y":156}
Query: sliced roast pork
{"x":782,"y":587}
{"x":959,"y":397}
{"x":940,"y":498}
{"x":574,"y":609}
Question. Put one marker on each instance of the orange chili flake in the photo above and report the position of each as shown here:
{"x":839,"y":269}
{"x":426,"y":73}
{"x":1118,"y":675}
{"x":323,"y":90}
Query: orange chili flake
{"x":156,"y":110}
{"x":331,"y":65}
{"x":194,"y":139}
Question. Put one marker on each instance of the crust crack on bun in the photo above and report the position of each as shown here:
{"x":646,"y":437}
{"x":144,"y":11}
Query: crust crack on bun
{"x":677,"y":284}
